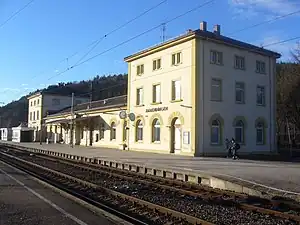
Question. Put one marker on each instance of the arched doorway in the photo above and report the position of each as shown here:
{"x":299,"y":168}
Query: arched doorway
{"x":175,"y":135}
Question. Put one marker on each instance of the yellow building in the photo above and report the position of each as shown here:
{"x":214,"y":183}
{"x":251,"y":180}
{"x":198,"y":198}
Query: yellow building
{"x":192,"y":92}
{"x":41,"y":104}
{"x":92,"y":124}
{"x":185,"y":96}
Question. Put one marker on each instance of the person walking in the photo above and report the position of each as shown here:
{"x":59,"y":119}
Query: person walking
{"x":228,"y":148}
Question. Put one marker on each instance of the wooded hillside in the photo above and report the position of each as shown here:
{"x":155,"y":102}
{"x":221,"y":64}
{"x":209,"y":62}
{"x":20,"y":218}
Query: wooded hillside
{"x":16,"y":112}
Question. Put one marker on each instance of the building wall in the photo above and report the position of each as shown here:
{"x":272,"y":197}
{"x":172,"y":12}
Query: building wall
{"x":106,"y":119}
{"x":40,"y":104}
{"x":164,"y":77}
{"x":227,"y":108}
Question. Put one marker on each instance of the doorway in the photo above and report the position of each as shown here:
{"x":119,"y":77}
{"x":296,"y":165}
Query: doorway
{"x":175,"y":135}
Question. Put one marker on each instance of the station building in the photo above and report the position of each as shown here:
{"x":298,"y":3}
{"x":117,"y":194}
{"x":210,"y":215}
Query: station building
{"x":43,"y":103}
{"x":185,"y":96}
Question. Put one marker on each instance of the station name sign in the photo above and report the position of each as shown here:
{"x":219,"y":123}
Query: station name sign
{"x":157,"y":109}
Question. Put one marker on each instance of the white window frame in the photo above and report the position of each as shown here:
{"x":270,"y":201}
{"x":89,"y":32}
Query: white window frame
{"x":216,"y":57}
{"x":156,"y":97}
{"x":156,"y":64}
{"x":30,"y":116}
{"x":240,"y":87}
{"x":33,"y":115}
{"x":156,"y":126}
{"x":37,"y":115}
{"x":139,"y":96}
{"x":176,"y":58}
{"x":214,"y":87}
{"x":176,"y":90}
{"x":260,"y":67}
{"x":213,"y":126}
{"x":239,"y":62}
{"x":242,"y":130}
{"x":263,"y":95}
{"x":139,"y":131}
{"x":260,"y":127}
{"x":140,"y":69}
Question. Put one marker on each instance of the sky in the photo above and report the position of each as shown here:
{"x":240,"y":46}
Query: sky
{"x":40,"y":42}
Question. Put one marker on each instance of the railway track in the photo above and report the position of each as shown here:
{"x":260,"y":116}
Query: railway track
{"x":133,"y":210}
{"x":207,"y":204}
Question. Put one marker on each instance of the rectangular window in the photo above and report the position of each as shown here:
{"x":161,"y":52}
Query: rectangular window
{"x":37,"y":115}
{"x":216,"y":57}
{"x":260,"y":95}
{"x":34,"y":102}
{"x":260,"y":67}
{"x":33,"y":115}
{"x":240,"y":92}
{"x":239,"y":62}
{"x":176,"y":58}
{"x":55,"y":101}
{"x":139,"y":96}
{"x":140,"y":69}
{"x":176,"y":90}
{"x":30,"y":103}
{"x":156,"y":93}
{"x":30,"y":115}
{"x":156,"y":64}
{"x":216,"y":90}
{"x":38,"y":102}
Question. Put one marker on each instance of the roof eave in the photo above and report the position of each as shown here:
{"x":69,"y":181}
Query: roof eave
{"x":159,"y":47}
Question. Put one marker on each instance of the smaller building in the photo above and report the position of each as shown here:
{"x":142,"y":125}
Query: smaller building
{"x":6,"y":134}
{"x":22,"y":133}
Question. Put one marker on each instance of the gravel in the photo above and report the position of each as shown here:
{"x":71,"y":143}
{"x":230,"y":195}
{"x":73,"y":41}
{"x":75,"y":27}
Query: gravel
{"x":200,"y":208}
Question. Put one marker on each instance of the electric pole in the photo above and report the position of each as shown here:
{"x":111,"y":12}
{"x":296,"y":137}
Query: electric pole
{"x":72,"y":120}
{"x":91,"y":93}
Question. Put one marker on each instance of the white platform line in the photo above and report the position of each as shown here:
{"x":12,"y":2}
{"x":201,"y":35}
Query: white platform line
{"x":75,"y":219}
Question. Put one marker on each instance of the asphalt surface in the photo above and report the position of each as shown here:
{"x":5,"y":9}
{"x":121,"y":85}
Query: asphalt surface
{"x":27,"y":202}
{"x":281,"y":175}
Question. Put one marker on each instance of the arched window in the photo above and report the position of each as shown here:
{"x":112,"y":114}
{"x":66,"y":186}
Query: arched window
{"x":113,"y":131}
{"x":155,"y":130}
{"x":239,"y":131}
{"x":139,"y":130}
{"x":260,"y":133}
{"x":215,"y":132}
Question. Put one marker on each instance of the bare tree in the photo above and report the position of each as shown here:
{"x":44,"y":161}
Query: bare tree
{"x":296,"y":53}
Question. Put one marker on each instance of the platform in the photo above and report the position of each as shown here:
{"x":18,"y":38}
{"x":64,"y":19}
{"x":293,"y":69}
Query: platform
{"x":24,"y":200}
{"x":247,"y":176}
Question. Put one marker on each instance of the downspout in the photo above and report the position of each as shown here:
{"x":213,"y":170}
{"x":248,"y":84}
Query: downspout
{"x":270,"y":105}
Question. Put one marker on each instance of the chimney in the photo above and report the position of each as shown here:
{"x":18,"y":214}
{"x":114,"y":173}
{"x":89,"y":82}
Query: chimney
{"x":203,"y":26}
{"x":217,"y":29}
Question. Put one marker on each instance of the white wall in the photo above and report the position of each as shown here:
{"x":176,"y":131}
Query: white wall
{"x":227,"y":108}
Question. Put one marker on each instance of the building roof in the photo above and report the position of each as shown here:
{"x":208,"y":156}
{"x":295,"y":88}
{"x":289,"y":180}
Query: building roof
{"x":108,"y":103}
{"x":47,"y":92}
{"x":207,"y":35}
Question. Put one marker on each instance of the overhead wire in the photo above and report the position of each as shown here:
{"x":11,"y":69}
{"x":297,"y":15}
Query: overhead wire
{"x":16,"y":13}
{"x":180,"y":68}
{"x":265,"y":22}
{"x":133,"y":38}
{"x":120,"y":27}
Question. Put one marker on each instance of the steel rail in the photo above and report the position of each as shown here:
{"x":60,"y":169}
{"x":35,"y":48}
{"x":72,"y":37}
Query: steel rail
{"x":166,"y":211}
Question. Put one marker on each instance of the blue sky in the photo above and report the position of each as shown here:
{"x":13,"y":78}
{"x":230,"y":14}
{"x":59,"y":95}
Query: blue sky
{"x":34,"y":43}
